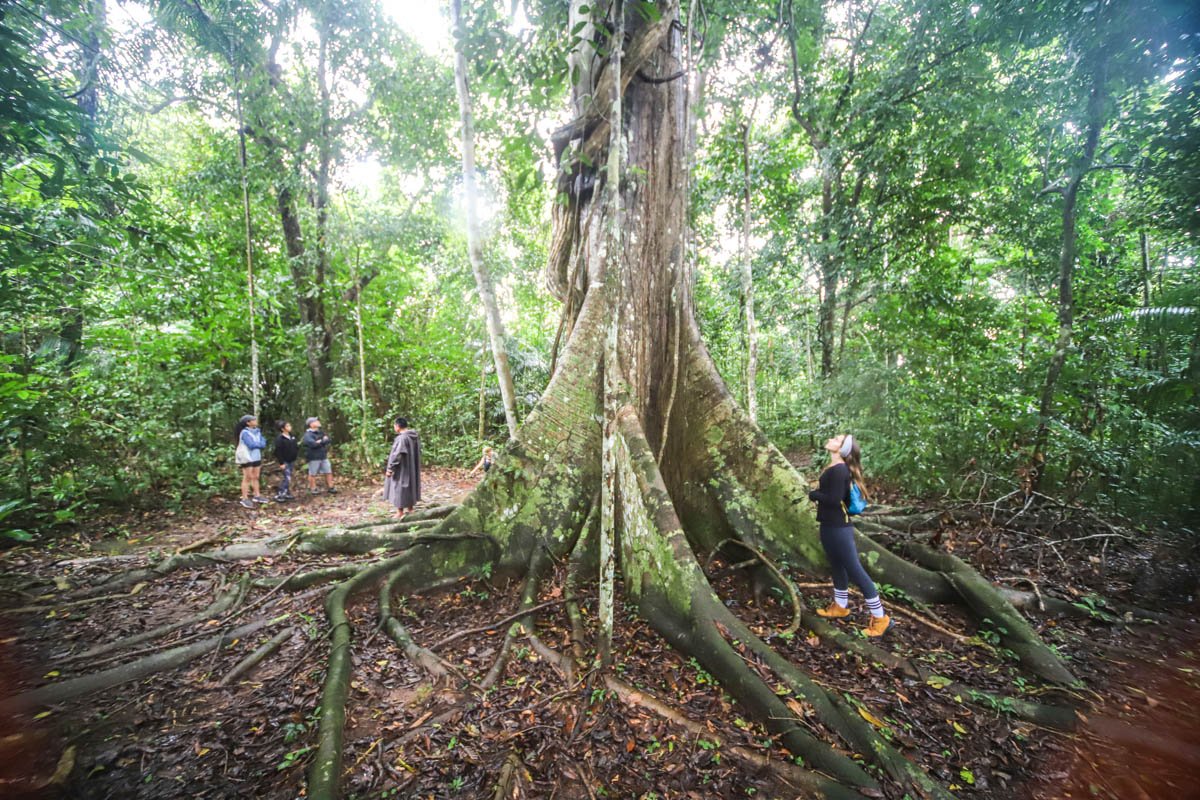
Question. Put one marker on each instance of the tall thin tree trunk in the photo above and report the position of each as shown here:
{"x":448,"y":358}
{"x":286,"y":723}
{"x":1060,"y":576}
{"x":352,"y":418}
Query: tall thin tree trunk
{"x":322,"y":325}
{"x":70,"y":331}
{"x":612,"y":368}
{"x":828,"y":262}
{"x":1144,"y":243}
{"x":255,"y":383}
{"x":483,"y":281}
{"x":483,"y":399}
{"x":1066,"y":268}
{"x":748,"y":283}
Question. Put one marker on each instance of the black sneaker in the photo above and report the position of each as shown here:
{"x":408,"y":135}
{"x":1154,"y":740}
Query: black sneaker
{"x":247,"y":503}
{"x":280,"y":498}
{"x":289,"y":496}
{"x":332,"y":490}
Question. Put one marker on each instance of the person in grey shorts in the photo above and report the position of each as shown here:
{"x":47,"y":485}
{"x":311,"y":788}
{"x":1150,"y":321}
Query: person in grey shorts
{"x":316,"y":447}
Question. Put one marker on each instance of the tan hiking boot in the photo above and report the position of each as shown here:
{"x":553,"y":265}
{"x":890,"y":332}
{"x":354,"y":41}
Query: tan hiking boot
{"x":834,"y":611}
{"x":878,"y":626}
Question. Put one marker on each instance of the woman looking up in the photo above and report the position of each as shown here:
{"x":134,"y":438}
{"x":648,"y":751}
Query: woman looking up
{"x":832,"y":496}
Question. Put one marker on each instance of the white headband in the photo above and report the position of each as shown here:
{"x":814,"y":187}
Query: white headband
{"x":847,"y":446}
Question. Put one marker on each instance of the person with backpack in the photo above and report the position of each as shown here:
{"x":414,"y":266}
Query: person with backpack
{"x":286,"y":453}
{"x":841,"y":493}
{"x":250,"y":444}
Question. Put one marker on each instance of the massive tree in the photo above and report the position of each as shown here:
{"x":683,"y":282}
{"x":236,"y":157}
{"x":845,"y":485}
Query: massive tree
{"x":638,"y":437}
{"x":685,"y":468}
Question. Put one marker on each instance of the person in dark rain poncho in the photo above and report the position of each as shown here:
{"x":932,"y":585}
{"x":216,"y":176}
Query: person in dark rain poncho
{"x":402,"y":481}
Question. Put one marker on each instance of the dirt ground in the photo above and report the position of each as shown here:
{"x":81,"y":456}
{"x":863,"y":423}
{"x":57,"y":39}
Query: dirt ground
{"x":182,"y":733}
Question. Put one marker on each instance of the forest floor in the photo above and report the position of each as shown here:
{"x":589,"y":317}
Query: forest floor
{"x":182,"y":733}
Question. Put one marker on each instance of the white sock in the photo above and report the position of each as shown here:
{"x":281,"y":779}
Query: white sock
{"x":842,"y":597}
{"x":875,"y":606}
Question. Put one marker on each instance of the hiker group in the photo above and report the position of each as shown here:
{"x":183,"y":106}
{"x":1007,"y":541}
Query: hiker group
{"x":402,"y":473}
{"x":249,"y":457}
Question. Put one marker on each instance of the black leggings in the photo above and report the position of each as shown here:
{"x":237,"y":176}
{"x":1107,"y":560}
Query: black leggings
{"x":838,"y":541}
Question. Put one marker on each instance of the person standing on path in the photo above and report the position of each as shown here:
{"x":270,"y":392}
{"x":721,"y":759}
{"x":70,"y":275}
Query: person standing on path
{"x":286,"y":453}
{"x":316,"y":448}
{"x":832,"y":497}
{"x":402,"y":480}
{"x":250,"y":444}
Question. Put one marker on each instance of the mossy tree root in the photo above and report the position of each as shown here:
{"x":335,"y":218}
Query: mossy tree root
{"x":989,"y":604}
{"x":421,"y":515}
{"x":522,"y":625}
{"x":429,"y":560}
{"x":427,"y":660}
{"x":332,"y":541}
{"x":256,"y":657}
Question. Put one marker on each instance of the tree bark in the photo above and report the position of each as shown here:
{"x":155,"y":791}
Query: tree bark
{"x":483,"y":281}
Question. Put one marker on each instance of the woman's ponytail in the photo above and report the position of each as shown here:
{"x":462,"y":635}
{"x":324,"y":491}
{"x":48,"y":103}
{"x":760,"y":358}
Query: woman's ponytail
{"x":853,"y":461}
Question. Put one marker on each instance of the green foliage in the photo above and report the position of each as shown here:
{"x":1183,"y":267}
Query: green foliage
{"x":902,"y":157}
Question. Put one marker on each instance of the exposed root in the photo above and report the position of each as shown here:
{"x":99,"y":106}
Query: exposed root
{"x":519,"y":623}
{"x":558,"y":660}
{"x":303,"y":580}
{"x":135,"y":670}
{"x":792,"y":776}
{"x":987,"y":602}
{"x":226,"y":600}
{"x":325,"y":542}
{"x":432,"y":513}
{"x":797,"y":606}
{"x":325,"y":772}
{"x":523,"y":612}
{"x":435,"y":666}
{"x":508,"y":783}
{"x":255,"y":658}
{"x":72,"y":603}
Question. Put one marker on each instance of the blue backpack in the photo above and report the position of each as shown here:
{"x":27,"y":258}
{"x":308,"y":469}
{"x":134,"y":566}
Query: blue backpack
{"x":858,"y":503}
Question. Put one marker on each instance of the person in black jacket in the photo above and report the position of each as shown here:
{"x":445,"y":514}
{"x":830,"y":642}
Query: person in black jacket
{"x":286,"y":453}
{"x":832,"y":497}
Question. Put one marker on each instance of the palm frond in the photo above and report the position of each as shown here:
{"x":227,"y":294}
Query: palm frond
{"x":1151,"y":313}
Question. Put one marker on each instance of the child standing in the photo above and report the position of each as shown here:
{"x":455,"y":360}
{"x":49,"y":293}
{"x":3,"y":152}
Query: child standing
{"x":286,"y":452}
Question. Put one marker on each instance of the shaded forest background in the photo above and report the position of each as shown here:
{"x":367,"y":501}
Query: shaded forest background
{"x":965,"y":232}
